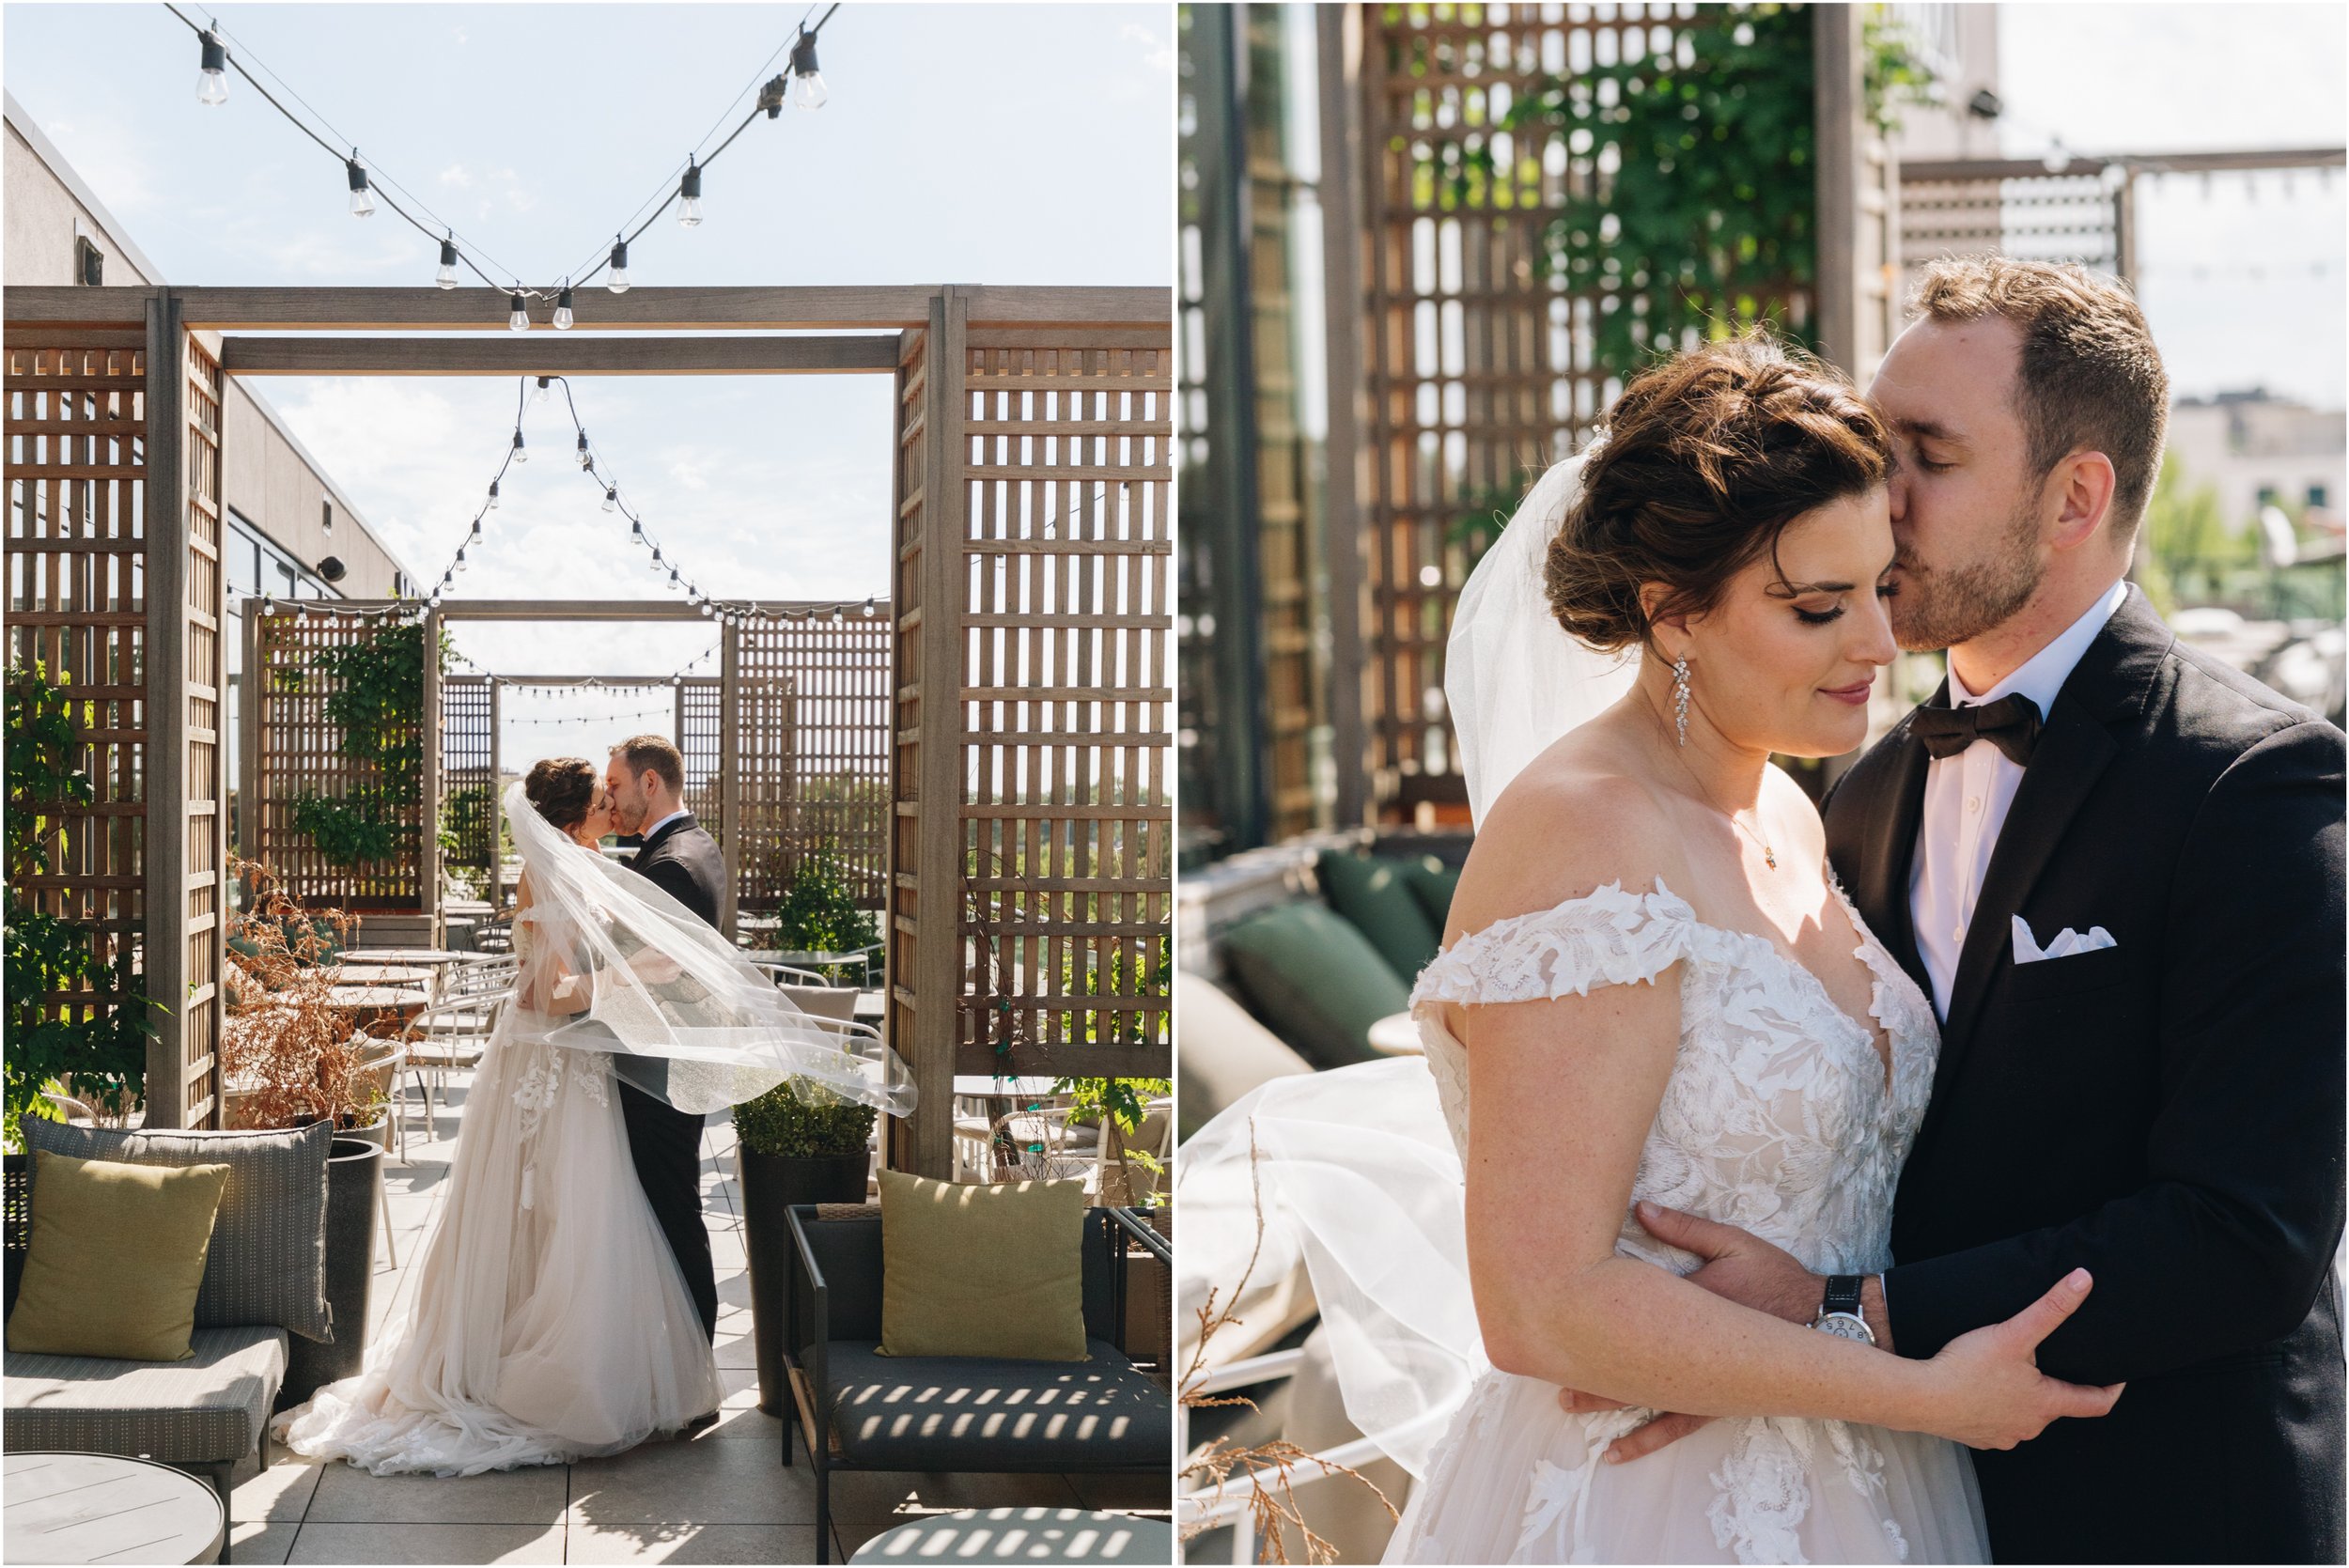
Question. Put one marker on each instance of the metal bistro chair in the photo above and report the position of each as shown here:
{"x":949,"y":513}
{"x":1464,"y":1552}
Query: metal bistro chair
{"x":382,"y":1070}
{"x":790,"y":975}
{"x":451,"y":1033}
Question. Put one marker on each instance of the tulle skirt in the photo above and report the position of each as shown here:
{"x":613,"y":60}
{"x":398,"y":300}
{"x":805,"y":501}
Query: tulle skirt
{"x":1520,"y":1480}
{"x":550,"y":1321}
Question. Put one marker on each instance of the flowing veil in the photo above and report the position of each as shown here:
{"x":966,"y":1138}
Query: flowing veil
{"x":1353,"y":1170}
{"x":660,"y":983}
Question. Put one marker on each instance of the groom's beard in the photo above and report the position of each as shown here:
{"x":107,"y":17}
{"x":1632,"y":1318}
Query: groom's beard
{"x":1940,"y":608}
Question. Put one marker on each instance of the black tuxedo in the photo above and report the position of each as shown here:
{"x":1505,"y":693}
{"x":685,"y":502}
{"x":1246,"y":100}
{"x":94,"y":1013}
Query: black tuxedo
{"x":2167,"y":1112}
{"x":664,"y":1142}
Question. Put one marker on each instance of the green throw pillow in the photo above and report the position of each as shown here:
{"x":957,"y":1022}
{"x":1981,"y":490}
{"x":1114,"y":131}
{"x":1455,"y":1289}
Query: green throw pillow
{"x":116,"y":1258}
{"x":1314,"y":979}
{"x":1373,"y":892}
{"x":1433,"y":883}
{"x":993,"y":1270}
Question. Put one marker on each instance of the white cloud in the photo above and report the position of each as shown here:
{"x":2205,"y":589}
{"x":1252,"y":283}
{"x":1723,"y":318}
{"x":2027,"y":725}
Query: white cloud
{"x":1156,"y":54}
{"x":456,"y":175}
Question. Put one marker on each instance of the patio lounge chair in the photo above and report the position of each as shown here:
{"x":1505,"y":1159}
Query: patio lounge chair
{"x":204,"y":1414}
{"x":859,"y":1410}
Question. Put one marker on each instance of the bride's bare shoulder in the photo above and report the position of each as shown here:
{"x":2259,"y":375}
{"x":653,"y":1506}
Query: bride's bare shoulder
{"x":1571,"y":823}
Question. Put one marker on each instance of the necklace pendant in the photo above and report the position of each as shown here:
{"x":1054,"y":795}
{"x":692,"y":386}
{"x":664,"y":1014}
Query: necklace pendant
{"x":1770,"y":858}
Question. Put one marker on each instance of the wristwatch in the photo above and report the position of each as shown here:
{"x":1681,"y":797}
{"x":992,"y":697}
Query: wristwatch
{"x":1839,"y":1311}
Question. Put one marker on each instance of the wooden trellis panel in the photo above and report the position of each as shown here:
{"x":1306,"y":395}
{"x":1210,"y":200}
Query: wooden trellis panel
{"x":1031,"y":861}
{"x":76,"y":567}
{"x":301,"y":756}
{"x":191,"y":688}
{"x":467,"y":769}
{"x":813,"y":748}
{"x":700,"y":723}
{"x":1477,"y":360}
{"x":2059,"y":217}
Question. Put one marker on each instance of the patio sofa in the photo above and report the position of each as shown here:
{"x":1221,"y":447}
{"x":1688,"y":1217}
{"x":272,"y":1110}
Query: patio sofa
{"x":859,"y":1410}
{"x":264,"y":1275}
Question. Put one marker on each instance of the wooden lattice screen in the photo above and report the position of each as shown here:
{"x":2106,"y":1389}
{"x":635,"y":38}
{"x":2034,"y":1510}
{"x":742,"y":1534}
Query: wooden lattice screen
{"x":1034,"y":866}
{"x":468,"y":769}
{"x":700,"y":723}
{"x":2044,"y":217}
{"x":812,"y":745}
{"x":300,"y":757}
{"x":114,"y":567}
{"x":1477,"y":359}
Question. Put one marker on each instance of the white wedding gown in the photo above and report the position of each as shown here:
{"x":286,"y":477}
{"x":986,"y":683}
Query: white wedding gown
{"x":550,"y":1321}
{"x":1776,"y":1118}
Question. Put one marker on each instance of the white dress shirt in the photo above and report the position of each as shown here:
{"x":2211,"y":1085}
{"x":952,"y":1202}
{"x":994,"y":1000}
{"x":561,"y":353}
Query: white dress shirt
{"x":1967,"y":797}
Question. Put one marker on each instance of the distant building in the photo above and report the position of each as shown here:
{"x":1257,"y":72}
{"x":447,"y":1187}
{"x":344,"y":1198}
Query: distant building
{"x":2258,"y":450}
{"x":287,"y":519}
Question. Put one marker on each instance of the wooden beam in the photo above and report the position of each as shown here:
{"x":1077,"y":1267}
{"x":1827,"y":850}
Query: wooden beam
{"x":545,"y":354}
{"x":497,"y":810}
{"x":428,"y":836}
{"x":575,"y":609}
{"x":1339,"y":36}
{"x":164,"y":516}
{"x":730,"y":776}
{"x":2248,"y":161}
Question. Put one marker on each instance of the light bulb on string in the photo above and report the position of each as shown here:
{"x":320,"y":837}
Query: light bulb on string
{"x":446,"y":277}
{"x":518,"y":316}
{"x":807,"y":83}
{"x":540,"y":396}
{"x":617,"y":282}
{"x":461,"y":558}
{"x":584,"y":460}
{"x":636,"y":530}
{"x":211,"y":88}
{"x":362,"y":200}
{"x":521,"y":453}
{"x":689,"y":189}
{"x":868,"y":606}
{"x":476,"y":528}
{"x":673,"y":577}
{"x":837,"y":618}
{"x":563,"y":309}
{"x":611,"y":498}
{"x":493,"y":496}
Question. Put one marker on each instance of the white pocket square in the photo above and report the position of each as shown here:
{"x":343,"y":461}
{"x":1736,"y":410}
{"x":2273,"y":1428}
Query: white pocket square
{"x":2067,"y":941}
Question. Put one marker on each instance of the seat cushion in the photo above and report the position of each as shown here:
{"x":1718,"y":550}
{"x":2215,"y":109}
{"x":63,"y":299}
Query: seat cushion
{"x":1374,"y":893}
{"x":206,"y":1410}
{"x":268,"y":1259}
{"x":1433,"y":883}
{"x":116,"y":1258}
{"x":1314,"y":979}
{"x":1221,"y":1052}
{"x":968,"y":1413}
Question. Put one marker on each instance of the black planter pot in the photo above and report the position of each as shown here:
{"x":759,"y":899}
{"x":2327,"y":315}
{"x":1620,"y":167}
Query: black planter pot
{"x":771,"y":1185}
{"x":354,"y":1173}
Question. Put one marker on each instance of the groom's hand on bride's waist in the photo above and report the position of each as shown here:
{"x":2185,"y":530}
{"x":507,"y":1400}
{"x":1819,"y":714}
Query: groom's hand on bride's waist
{"x":1738,"y":1266}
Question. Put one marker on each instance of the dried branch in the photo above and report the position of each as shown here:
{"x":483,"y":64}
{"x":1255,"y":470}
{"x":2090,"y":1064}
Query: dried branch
{"x":288,"y":1051}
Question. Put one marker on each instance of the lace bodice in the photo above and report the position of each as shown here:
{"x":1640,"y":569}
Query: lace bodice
{"x":1777,"y":1117}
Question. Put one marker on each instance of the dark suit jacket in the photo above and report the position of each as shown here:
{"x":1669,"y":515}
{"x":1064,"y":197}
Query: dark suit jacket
{"x":684,"y":862}
{"x":2167,"y":1112}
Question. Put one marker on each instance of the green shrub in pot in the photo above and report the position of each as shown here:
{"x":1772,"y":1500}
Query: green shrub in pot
{"x":797,"y":1143}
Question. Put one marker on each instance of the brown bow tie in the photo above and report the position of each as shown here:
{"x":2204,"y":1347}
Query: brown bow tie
{"x":2010,"y":724}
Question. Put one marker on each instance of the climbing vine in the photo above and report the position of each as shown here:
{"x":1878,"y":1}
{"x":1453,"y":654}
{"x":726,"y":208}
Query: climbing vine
{"x":377,"y":705}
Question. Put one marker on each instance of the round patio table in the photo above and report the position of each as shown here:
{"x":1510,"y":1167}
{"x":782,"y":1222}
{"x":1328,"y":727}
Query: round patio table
{"x":1396,"y":1034}
{"x":409,"y":976}
{"x":434,"y":956}
{"x":1022,"y":1535}
{"x":103,"y":1508}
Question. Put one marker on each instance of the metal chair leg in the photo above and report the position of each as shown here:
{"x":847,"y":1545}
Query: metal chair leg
{"x":384,"y":1198}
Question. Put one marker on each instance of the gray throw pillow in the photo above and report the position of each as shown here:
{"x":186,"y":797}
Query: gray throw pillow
{"x":268,"y":1258}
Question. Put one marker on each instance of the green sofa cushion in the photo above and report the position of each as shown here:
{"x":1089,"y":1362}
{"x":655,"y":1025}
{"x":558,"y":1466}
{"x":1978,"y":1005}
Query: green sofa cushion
{"x":1373,"y":892}
{"x":1433,"y":883}
{"x":1315,"y":980}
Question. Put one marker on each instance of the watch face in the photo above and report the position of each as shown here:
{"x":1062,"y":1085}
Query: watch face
{"x":1846,"y":1326}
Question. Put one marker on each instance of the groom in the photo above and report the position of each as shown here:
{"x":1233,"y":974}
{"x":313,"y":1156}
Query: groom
{"x":2161,"y":1101}
{"x":647,"y":779}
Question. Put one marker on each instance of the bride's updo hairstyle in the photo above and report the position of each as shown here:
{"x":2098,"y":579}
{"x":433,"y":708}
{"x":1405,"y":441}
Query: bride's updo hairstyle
{"x":1706,"y":459}
{"x":563,"y":789}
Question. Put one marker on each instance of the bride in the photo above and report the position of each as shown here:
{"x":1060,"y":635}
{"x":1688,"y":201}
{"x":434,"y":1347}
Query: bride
{"x":1652,"y":992}
{"x":550,"y":1321}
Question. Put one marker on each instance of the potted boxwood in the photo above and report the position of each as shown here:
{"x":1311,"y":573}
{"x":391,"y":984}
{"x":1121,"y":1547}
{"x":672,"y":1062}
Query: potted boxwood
{"x":797,"y":1143}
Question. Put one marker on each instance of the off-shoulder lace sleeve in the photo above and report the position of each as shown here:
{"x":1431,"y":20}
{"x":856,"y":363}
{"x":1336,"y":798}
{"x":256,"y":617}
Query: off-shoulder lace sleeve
{"x":1607,"y":938}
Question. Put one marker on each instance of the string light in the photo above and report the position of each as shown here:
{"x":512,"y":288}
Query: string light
{"x":807,"y":89}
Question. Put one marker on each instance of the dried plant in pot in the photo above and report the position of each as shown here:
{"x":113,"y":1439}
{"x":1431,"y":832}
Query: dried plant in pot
{"x":795,"y":1144}
{"x":289,"y":1058}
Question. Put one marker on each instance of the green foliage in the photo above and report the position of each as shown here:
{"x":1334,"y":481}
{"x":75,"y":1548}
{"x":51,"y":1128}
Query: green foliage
{"x":95,"y":1045}
{"x":2191,"y":556}
{"x":1090,"y":973}
{"x":465,"y":821}
{"x":800,"y":1120}
{"x":1893,"y":75}
{"x":378,"y":707}
{"x":819,"y":912}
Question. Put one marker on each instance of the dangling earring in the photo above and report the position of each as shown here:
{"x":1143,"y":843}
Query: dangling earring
{"x":1680,"y":697}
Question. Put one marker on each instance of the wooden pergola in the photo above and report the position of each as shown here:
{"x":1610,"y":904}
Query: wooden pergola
{"x":1029,"y":682}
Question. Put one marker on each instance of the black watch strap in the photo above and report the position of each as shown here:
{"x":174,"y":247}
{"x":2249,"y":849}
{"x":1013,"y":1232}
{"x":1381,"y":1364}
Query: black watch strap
{"x":1842,"y":1294}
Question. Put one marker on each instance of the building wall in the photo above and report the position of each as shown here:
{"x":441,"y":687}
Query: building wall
{"x":2245,"y":444}
{"x":269,"y":481}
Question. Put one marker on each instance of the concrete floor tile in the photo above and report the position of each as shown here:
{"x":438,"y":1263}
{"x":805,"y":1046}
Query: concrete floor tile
{"x":251,"y":1543}
{"x":708,"y":1483}
{"x":347,"y":1494}
{"x":282,"y":1491}
{"x":423,"y":1542}
{"x":692,"y":1544}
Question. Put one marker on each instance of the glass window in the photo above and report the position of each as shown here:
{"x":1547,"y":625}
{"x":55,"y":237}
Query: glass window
{"x":2317,"y":496}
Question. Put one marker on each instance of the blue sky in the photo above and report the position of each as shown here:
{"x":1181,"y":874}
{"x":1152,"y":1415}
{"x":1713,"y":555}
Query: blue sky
{"x":962,"y":144}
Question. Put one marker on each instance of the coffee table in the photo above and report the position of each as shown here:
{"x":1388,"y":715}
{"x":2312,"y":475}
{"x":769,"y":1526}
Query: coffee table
{"x":102,"y":1508}
{"x":1022,"y":1535}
